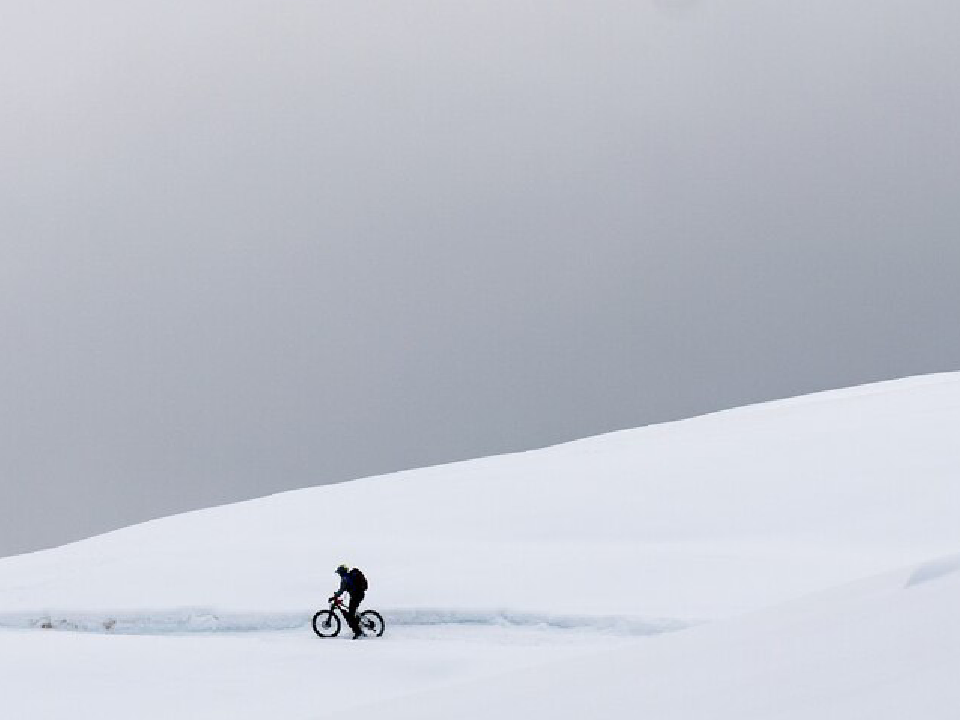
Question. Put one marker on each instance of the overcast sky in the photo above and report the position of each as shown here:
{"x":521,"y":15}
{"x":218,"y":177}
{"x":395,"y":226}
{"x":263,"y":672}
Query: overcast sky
{"x":253,"y":246}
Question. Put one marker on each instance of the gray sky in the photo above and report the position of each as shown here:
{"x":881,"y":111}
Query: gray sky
{"x":252,"y":246}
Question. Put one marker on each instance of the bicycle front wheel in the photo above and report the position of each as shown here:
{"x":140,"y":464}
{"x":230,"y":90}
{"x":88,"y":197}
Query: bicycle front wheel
{"x":326,"y":624}
{"x":371,"y":623}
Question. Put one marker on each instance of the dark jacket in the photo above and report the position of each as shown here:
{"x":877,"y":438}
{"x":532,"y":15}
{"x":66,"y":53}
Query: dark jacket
{"x":352,"y":582}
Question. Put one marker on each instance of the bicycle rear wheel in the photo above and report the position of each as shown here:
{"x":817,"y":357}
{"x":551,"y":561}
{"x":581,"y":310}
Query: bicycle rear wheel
{"x":371,"y":623}
{"x":326,"y":624}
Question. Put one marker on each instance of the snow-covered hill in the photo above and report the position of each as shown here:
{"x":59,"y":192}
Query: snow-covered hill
{"x":696,"y":519}
{"x":716,"y":521}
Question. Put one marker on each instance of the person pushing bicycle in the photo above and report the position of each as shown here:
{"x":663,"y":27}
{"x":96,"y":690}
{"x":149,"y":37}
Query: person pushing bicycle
{"x":353,"y":582}
{"x":326,"y":622}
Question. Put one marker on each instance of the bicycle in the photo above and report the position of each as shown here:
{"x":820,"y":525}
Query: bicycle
{"x":326,"y":623}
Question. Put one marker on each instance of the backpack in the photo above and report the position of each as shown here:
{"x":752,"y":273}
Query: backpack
{"x":357,"y":580}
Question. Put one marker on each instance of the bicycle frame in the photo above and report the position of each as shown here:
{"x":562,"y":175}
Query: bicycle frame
{"x":338,"y":604}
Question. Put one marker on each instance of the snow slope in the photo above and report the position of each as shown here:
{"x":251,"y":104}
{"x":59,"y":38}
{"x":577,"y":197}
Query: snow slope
{"x":697,"y":519}
{"x":542,"y":583}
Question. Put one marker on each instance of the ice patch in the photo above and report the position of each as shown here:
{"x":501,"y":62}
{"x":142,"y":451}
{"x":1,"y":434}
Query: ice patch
{"x":202,"y":620}
{"x":155,"y":622}
{"x":615,"y":624}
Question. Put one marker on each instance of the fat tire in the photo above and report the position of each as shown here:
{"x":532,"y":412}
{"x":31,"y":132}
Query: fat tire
{"x":326,"y":624}
{"x":371,"y":622}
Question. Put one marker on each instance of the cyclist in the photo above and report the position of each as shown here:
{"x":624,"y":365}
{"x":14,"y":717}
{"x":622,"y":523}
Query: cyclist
{"x":353,"y":582}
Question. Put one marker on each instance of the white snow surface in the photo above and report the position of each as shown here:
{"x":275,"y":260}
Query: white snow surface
{"x":681,"y":570}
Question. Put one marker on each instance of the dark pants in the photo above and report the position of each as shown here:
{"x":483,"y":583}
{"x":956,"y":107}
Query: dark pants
{"x":351,"y":614}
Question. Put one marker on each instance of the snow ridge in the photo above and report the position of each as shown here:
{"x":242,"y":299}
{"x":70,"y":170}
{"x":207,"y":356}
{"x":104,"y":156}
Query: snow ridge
{"x":934,"y":570}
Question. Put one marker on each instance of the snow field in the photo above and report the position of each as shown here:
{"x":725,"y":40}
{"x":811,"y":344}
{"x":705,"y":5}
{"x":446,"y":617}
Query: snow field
{"x":887,"y":648}
{"x":290,"y":674}
{"x":523,"y":585}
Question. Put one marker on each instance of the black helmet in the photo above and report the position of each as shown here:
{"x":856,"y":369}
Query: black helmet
{"x":342,"y":569}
